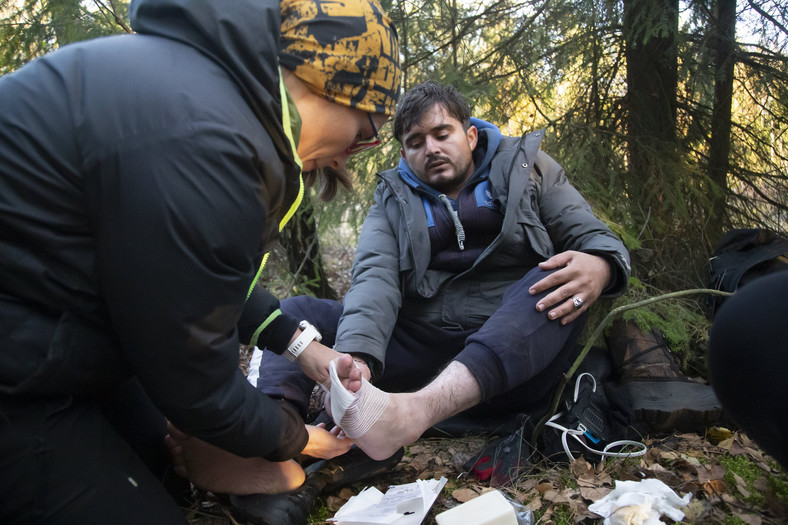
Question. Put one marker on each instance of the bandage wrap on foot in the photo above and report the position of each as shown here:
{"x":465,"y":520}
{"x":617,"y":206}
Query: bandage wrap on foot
{"x":356,"y":413}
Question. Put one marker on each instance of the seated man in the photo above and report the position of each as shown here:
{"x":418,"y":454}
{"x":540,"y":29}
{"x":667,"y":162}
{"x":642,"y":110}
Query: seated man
{"x":477,"y":260}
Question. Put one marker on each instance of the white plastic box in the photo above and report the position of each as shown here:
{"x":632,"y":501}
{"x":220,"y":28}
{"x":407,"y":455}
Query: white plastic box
{"x":491,"y":508}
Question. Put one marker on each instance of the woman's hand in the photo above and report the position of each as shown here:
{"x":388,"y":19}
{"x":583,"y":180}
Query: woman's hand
{"x":326,"y":444}
{"x":314,"y":361}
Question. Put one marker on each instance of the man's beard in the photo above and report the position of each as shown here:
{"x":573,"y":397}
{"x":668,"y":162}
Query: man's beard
{"x":460,"y":175}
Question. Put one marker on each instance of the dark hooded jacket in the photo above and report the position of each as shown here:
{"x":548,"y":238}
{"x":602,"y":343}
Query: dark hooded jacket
{"x":142,"y":178}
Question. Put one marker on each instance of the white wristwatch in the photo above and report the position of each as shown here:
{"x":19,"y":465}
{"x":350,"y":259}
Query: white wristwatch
{"x":308,"y":334}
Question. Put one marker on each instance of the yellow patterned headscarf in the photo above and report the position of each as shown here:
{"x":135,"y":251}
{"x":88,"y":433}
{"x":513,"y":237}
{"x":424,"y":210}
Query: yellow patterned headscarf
{"x":344,"y":50}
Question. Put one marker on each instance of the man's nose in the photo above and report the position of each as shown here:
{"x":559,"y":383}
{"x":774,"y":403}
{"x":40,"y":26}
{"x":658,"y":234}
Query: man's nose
{"x":431,"y":144}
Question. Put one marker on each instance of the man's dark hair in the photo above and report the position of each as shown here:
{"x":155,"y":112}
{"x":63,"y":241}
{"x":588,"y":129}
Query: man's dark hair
{"x":420,"y":99}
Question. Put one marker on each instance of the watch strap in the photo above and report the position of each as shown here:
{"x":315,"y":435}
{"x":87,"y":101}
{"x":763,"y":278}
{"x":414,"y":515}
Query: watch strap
{"x":308,"y":334}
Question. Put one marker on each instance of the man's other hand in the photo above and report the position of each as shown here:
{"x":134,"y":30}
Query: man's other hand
{"x":581,"y":276}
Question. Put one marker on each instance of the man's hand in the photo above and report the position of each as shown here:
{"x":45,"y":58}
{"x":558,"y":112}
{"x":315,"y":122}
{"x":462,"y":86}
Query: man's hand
{"x":359,"y":363}
{"x":326,"y":444}
{"x":582,"y":276}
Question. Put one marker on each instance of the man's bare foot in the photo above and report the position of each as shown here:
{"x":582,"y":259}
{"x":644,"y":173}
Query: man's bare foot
{"x":211,"y":468}
{"x":389,"y":424}
{"x":396,"y":427}
{"x":403,"y":418}
{"x":349,"y":373}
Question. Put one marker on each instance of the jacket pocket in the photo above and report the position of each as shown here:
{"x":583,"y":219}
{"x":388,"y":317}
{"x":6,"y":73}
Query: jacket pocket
{"x":536,"y":233}
{"x":60,"y":356}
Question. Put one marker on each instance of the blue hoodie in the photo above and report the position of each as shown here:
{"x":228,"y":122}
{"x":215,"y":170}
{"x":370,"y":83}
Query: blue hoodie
{"x":455,"y":258}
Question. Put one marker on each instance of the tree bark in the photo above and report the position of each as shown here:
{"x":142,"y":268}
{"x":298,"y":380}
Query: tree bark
{"x":724,"y":35}
{"x":65,"y":20}
{"x":650,"y":28}
{"x":302,"y":247}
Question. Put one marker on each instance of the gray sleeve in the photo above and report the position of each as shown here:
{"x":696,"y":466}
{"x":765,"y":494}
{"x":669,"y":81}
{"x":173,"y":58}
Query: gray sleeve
{"x":373,"y":301}
{"x":573,"y":226}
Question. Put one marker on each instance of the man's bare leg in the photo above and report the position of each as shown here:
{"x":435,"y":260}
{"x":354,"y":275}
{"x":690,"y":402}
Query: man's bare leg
{"x":214,"y":469}
{"x":408,"y":415}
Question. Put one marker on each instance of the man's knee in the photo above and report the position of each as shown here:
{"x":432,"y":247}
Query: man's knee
{"x":302,"y":304}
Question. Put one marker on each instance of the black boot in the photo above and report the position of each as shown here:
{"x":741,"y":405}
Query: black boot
{"x":663,"y":399}
{"x":292,"y":508}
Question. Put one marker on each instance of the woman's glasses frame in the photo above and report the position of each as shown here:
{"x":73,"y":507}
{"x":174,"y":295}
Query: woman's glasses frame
{"x":365,"y":144}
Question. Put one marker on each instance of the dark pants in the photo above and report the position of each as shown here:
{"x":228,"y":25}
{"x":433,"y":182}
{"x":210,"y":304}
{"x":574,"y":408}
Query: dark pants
{"x":748,"y":360}
{"x":518,"y":355}
{"x":69,"y":460}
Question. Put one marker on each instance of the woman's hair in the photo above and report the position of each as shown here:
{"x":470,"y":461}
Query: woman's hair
{"x":420,"y":99}
{"x":327,"y":181}
{"x":344,"y":50}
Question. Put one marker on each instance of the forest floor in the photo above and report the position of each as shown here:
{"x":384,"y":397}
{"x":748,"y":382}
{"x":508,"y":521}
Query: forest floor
{"x":731,"y":482}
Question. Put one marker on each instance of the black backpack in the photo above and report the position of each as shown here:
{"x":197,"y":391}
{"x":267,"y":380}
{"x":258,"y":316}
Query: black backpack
{"x":742,"y":256}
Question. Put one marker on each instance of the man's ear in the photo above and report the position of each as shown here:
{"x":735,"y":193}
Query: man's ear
{"x":473,"y":137}
{"x":402,"y":153}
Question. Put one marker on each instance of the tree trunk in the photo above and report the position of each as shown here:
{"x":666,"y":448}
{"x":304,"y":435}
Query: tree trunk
{"x":650,"y":28}
{"x":301,"y":244}
{"x":66,"y":21}
{"x":724,"y":35}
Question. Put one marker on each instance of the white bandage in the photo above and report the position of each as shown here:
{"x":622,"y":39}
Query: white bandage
{"x":355,"y":413}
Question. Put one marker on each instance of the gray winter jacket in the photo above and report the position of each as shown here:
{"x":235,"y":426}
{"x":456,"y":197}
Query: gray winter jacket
{"x":544,"y":215}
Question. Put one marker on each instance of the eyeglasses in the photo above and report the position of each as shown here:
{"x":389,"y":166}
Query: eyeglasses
{"x":365,"y":144}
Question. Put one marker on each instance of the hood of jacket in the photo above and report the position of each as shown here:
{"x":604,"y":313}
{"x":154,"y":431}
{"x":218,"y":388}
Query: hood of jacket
{"x":489,"y":139}
{"x":241,"y":36}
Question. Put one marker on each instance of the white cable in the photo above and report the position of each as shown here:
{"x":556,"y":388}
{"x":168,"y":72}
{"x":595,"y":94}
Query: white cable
{"x":575,"y":433}
{"x":577,"y":383}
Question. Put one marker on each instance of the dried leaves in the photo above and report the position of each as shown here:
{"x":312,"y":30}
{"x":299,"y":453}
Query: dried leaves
{"x":708,"y":467}
{"x":688,"y":463}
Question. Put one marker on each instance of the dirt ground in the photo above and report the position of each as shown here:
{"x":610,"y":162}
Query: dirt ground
{"x":729,"y":477}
